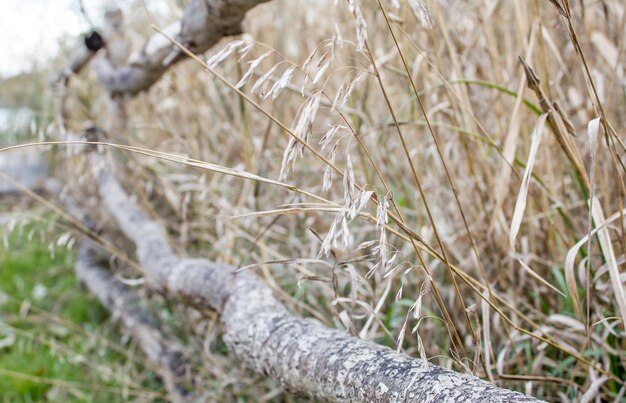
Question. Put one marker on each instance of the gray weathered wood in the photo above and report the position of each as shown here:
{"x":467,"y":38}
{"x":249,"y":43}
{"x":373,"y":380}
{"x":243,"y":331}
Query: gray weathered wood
{"x":303,"y":355}
{"x":166,"y":355}
{"x":203,"y":24}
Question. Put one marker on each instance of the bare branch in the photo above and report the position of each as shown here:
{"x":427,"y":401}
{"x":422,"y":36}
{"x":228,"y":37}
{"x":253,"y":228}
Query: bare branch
{"x":302,"y":354}
{"x":204,"y":23}
{"x":168,"y":357}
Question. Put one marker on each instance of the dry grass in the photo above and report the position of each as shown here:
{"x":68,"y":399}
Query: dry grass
{"x":389,"y":171}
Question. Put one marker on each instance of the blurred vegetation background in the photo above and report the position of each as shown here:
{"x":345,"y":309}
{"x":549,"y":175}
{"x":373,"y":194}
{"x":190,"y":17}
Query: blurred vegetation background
{"x":556,"y":332}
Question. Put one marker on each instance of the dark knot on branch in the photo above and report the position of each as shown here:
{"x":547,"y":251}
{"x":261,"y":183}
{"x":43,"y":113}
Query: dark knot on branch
{"x":94,"y":41}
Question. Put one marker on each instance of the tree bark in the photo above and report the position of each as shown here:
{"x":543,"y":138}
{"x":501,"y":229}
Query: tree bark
{"x":303,"y":355}
{"x":204,"y":23}
{"x":168,"y":357}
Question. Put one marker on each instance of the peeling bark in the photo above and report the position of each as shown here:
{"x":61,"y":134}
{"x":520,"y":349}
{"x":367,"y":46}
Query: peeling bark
{"x":301,"y":354}
{"x":168,"y":357}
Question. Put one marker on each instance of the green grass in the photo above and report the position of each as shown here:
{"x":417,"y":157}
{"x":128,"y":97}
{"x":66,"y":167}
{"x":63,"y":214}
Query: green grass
{"x":63,"y":348}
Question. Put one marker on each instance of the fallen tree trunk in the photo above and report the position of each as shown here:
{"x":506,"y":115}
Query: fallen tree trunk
{"x":303,"y":355}
{"x":168,"y":357}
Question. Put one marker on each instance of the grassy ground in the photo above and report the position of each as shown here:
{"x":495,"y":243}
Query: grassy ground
{"x":465,"y":253}
{"x":56,"y":341}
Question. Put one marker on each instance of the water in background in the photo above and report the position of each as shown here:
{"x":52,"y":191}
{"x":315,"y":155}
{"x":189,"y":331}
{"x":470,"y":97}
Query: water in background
{"x":24,"y":165}
{"x":13,"y":122}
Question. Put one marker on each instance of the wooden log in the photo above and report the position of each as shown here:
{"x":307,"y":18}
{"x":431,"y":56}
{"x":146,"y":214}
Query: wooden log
{"x":301,"y":354}
{"x":168,"y":357}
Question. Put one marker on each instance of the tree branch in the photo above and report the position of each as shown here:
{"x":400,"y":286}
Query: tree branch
{"x":303,"y":355}
{"x":168,"y":357}
{"x":204,"y":23}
